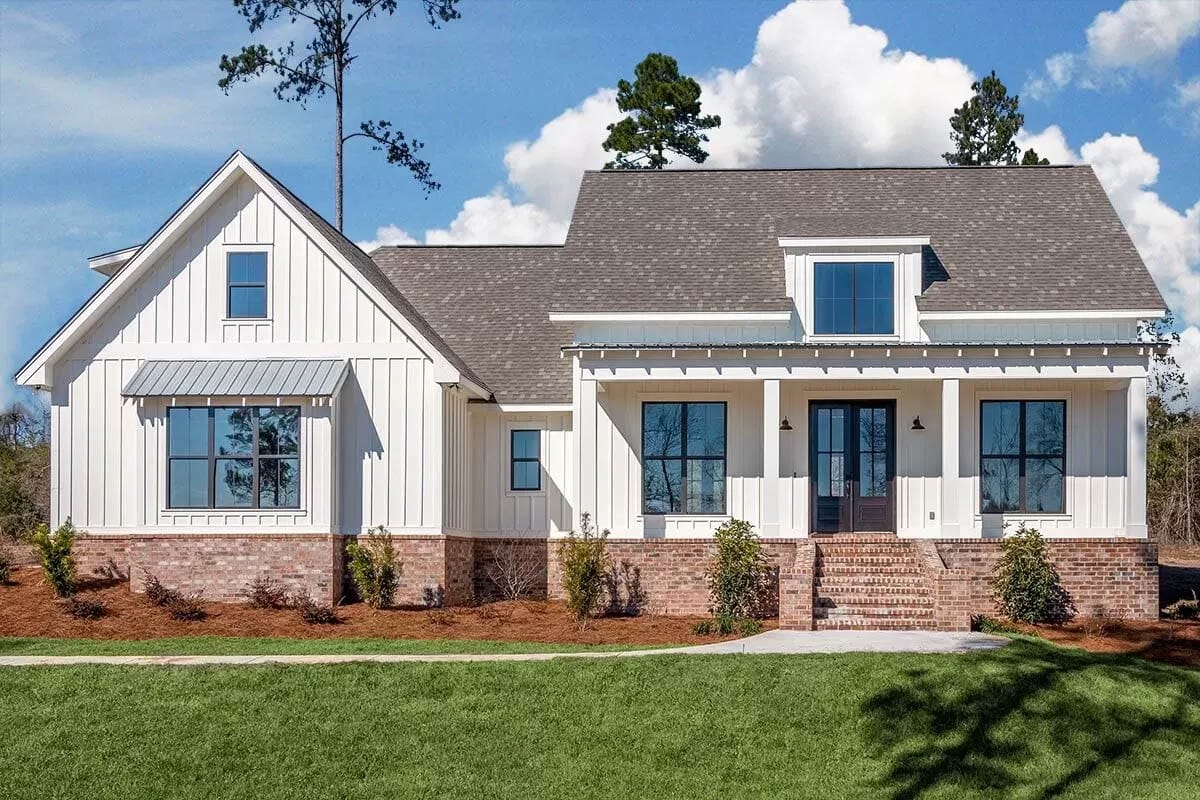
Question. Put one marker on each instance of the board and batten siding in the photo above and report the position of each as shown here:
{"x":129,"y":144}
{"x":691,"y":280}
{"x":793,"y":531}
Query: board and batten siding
{"x":109,"y":469}
{"x":497,"y":510}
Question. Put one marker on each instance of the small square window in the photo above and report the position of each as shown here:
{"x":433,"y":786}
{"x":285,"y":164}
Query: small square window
{"x":526,"y":467}
{"x":247,"y":285}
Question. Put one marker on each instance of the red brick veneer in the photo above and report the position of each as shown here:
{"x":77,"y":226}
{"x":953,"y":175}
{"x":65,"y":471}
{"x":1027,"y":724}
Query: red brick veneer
{"x":1103,"y":576}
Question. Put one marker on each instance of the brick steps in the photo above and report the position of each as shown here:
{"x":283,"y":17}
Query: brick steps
{"x":871,"y":584}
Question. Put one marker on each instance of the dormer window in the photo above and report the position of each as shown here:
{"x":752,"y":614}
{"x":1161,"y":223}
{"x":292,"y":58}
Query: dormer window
{"x":247,"y":285}
{"x":854,"y":298}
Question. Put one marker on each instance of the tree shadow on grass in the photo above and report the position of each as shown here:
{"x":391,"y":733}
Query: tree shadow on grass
{"x":1030,"y":720}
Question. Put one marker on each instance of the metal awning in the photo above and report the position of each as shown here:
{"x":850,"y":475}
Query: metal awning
{"x":277,"y":377}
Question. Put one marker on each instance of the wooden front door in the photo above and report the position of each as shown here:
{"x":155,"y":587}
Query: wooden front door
{"x":852,"y":466}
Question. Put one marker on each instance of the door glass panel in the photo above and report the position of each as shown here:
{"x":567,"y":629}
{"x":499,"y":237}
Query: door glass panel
{"x":823,"y":474}
{"x":837,"y":419}
{"x":823,"y":429}
{"x":837,"y":475}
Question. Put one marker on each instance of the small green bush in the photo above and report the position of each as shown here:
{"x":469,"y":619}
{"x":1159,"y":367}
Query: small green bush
{"x":1026,"y":584}
{"x":739,"y":577}
{"x":83,"y":607}
{"x":583,"y":558}
{"x":703,"y":628}
{"x":54,"y":553}
{"x":374,"y":568}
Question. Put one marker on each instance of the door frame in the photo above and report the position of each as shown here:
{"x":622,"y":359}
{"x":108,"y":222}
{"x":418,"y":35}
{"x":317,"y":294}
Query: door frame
{"x":852,"y":468}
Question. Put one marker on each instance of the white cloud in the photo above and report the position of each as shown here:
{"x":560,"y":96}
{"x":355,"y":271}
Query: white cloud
{"x":1139,"y":37}
{"x":496,"y":219}
{"x":1187,"y":101}
{"x":386,"y":236}
{"x":1050,"y":144}
{"x":1168,"y":241}
{"x":1187,"y":354}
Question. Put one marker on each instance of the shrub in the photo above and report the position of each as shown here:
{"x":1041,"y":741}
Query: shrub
{"x":83,"y":607}
{"x":375,"y":568}
{"x":703,"y":628}
{"x":5,"y":566}
{"x":265,"y":593}
{"x":583,"y":558}
{"x":985,"y":624}
{"x":188,"y":607}
{"x":312,"y":612}
{"x":1184,"y":608}
{"x":514,"y":568}
{"x":157,"y":593}
{"x":738,"y":576}
{"x":441,"y":616}
{"x":54,"y":553}
{"x":1026,"y":584}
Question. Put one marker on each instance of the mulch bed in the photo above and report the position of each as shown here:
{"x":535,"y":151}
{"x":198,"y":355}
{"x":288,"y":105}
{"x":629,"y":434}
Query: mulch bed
{"x":28,"y":608}
{"x":1172,"y":641}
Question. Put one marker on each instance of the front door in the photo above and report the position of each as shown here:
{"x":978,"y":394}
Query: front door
{"x":852,"y":466}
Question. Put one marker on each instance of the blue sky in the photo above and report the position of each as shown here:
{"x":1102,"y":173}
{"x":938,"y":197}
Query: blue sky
{"x":110,"y":115}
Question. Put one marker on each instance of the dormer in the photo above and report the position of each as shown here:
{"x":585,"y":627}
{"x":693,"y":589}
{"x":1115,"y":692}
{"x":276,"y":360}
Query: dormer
{"x":861,"y":288}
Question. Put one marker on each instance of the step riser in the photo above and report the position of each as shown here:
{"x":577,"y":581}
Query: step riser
{"x":873,"y":584}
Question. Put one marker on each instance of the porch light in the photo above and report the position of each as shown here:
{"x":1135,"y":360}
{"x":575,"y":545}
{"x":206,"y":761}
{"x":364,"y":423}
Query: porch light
{"x":917,"y":426}
{"x":785,"y":425}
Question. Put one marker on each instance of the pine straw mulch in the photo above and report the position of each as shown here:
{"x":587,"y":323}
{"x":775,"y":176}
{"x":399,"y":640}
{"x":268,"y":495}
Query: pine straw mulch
{"x":1171,"y":641}
{"x":28,"y":608}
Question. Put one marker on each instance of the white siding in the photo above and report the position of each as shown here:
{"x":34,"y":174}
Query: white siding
{"x":1031,"y":330}
{"x":495,"y":509}
{"x":108,"y":473}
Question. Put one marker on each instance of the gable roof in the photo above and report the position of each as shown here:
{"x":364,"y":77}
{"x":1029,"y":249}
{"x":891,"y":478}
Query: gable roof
{"x":346,"y":252}
{"x":1001,"y":238}
{"x":491,"y":304}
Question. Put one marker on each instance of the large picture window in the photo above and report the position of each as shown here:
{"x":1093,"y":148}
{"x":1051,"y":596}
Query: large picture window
{"x":233,"y":457}
{"x":683,"y":458}
{"x":853,"y":298}
{"x":1023,"y":451}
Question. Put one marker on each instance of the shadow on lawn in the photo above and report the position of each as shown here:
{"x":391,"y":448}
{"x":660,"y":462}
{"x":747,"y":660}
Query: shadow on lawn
{"x":976,"y":725}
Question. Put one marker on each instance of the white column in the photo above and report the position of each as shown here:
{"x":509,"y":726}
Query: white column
{"x":770,"y":479}
{"x":951,"y":480}
{"x":1135,"y":458}
{"x":583,"y":427}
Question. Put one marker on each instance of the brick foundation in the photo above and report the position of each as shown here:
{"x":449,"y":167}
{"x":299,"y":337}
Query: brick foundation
{"x":657,"y":576}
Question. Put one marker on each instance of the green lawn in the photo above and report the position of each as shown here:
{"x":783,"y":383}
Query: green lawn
{"x":236,"y":645}
{"x":1029,"y":721}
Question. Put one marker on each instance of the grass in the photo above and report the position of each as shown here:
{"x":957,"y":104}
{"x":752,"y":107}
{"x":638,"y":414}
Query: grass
{"x":236,"y":645}
{"x":1029,"y":720}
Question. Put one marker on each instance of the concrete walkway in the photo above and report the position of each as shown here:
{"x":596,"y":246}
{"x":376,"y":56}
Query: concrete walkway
{"x":771,"y":642}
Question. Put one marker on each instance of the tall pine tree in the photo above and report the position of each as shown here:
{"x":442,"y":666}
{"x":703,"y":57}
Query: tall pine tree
{"x":984,"y":128}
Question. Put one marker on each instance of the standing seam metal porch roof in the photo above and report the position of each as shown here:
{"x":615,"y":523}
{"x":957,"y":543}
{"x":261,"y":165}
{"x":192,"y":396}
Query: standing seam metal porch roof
{"x":229,"y":378}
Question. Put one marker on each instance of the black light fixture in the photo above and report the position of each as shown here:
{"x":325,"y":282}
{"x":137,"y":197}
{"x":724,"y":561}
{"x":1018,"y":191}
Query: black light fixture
{"x":785,"y":425}
{"x":917,"y":426}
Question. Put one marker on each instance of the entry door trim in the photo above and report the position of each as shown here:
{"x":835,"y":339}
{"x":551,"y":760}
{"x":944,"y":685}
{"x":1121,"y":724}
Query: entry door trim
{"x":851,"y":506}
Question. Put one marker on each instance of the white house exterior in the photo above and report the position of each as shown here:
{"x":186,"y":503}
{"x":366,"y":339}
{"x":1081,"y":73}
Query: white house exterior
{"x":881,"y":366}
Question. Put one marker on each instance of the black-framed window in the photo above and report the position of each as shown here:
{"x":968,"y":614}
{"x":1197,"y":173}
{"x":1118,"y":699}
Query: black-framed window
{"x":240,"y":457}
{"x":683,"y":458}
{"x":1023,"y":456}
{"x":853,"y":297}
{"x":525,"y":469}
{"x":247,"y":285}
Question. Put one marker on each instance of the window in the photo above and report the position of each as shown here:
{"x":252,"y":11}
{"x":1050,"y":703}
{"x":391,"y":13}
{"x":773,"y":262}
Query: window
{"x":233,"y":457}
{"x":247,"y":274}
{"x":526,"y":469}
{"x":853,"y":298}
{"x":683,"y":458}
{"x":1023,"y":450}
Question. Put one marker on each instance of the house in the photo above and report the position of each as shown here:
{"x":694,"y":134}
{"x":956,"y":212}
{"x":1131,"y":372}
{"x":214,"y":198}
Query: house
{"x":881,"y":369}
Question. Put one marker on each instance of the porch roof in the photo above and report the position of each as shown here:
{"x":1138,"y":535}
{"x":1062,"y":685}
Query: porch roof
{"x":233,"y":378}
{"x":1144,"y":348}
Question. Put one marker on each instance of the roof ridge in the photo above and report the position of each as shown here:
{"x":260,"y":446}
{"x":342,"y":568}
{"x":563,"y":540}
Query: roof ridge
{"x":884,"y":168}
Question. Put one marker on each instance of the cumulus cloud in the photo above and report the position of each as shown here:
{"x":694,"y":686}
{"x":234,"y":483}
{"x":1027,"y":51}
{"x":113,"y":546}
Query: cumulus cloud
{"x":1187,"y":354}
{"x":1141,"y":36}
{"x":1050,"y":143}
{"x":1187,"y":101}
{"x":496,"y":219}
{"x":386,"y":236}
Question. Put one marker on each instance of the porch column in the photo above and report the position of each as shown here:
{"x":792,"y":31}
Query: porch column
{"x":583,"y":425}
{"x":770,"y":479}
{"x":950,"y":468}
{"x":1135,"y":458}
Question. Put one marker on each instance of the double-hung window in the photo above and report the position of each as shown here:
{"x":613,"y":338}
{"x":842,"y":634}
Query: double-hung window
{"x":683,"y":458}
{"x":1023,"y":452}
{"x":854,"y":298}
{"x":243,"y":457}
{"x":525,"y":471}
{"x":247,"y":285}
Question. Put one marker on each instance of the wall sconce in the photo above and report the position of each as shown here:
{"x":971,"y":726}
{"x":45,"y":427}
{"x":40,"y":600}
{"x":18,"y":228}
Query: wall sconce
{"x":785,"y":425}
{"x":917,"y":426}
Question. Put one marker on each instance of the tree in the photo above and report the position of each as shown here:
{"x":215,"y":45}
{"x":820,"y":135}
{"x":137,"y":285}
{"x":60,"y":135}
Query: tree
{"x":321,"y":67}
{"x":664,"y":109}
{"x":985,"y":127}
{"x":24,"y":469}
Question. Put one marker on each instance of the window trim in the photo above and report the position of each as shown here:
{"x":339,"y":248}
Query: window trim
{"x":513,"y":460}
{"x":683,"y":458}
{"x":254,"y":457}
{"x":266,"y":283}
{"x":1022,"y":456}
{"x":811,"y":259}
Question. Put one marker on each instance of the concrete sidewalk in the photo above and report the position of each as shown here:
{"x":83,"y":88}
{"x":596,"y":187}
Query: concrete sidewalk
{"x":771,"y":642}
